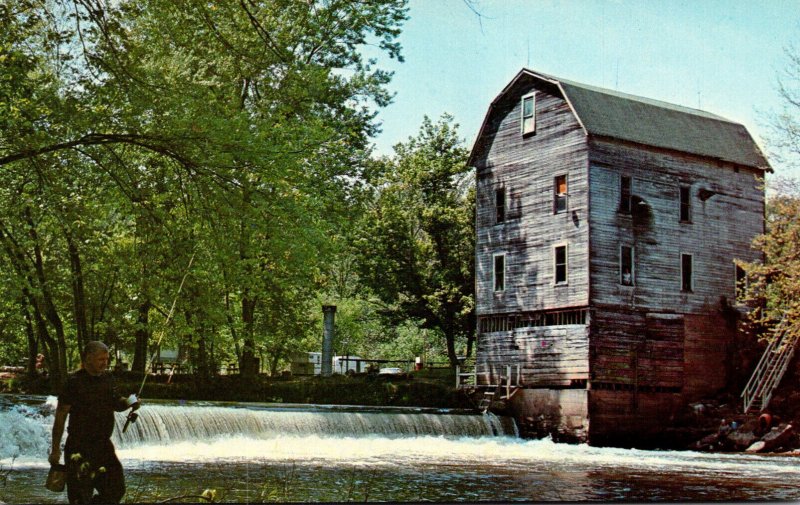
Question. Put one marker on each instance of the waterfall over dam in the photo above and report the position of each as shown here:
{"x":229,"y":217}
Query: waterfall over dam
{"x":166,"y":423}
{"x":254,"y":453}
{"x":25,"y":427}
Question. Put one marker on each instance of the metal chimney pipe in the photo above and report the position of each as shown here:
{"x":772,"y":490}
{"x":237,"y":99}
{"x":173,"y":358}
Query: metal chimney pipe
{"x":329,"y":317}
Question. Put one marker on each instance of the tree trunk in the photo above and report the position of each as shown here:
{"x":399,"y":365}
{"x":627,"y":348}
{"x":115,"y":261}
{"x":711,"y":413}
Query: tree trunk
{"x":199,"y":353}
{"x":50,"y":310}
{"x":472,"y":328}
{"x":50,"y":348}
{"x":78,"y":292}
{"x":142,"y":338}
{"x":33,"y":274}
{"x":248,"y":366}
{"x":33,"y":344}
{"x":203,"y":370}
{"x":273,"y":364}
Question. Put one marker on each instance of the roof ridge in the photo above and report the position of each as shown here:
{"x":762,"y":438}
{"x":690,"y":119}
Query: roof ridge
{"x":628,"y":96}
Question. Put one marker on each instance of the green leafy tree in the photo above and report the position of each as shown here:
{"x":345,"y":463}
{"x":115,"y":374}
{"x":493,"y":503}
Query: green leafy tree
{"x":416,"y":244}
{"x":772,"y":288}
{"x":136,"y":134}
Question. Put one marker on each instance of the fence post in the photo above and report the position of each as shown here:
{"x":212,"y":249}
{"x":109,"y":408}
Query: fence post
{"x":508,"y":381}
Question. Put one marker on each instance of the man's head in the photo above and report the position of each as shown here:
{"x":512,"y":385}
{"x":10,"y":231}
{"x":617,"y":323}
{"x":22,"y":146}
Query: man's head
{"x":95,"y":357}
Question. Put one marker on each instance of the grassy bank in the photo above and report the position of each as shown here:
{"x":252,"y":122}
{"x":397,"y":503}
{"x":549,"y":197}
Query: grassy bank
{"x":426,"y":388}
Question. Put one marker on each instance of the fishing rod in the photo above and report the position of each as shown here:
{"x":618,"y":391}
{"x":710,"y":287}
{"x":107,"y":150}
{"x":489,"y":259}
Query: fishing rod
{"x":132,"y":415}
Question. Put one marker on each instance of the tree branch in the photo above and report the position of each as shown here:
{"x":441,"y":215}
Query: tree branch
{"x":146,"y":141}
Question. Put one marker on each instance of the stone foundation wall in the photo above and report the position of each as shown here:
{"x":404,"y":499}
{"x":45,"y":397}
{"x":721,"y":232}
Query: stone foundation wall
{"x":561,"y":413}
{"x":629,"y":418}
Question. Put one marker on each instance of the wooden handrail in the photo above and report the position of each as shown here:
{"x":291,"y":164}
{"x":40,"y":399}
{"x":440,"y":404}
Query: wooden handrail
{"x":770,"y":370}
{"x":513,"y":374}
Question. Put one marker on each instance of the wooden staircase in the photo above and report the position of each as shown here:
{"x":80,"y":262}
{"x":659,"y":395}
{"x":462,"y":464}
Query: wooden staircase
{"x":487,"y":399}
{"x":508,"y":386}
{"x":769,"y":371}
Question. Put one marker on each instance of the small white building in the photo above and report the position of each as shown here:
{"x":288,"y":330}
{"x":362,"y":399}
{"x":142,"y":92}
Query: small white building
{"x":306,"y":363}
{"x":310,"y":363}
{"x":344,"y":364}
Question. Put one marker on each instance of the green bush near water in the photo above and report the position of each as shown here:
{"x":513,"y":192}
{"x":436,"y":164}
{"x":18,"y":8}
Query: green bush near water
{"x":429,"y":388}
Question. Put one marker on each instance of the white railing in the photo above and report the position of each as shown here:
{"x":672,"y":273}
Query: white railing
{"x":467,"y":375}
{"x":769,"y":371}
{"x":465,"y":378}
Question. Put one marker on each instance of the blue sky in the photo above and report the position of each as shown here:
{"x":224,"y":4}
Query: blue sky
{"x":719,"y":56}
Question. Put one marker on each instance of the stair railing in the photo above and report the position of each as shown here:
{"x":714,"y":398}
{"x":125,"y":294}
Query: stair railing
{"x":467,"y":375}
{"x":770,"y":370}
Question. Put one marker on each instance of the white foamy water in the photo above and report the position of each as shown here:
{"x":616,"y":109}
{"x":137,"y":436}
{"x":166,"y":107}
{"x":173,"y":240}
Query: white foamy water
{"x":174,"y":434}
{"x":376,"y":450}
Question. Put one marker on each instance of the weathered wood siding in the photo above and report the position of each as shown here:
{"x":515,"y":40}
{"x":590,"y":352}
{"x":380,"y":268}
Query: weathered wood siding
{"x":708,"y":362}
{"x":721,"y":229}
{"x":636,"y":350}
{"x":653,"y":336}
{"x":647,"y":348}
{"x":526,"y":167}
{"x":548,"y":355}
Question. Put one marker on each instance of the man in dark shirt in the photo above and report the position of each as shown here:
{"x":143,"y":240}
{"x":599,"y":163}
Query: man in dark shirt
{"x":90,"y":399}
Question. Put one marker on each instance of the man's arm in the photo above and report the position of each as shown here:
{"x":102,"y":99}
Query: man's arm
{"x":123,"y":403}
{"x":62,"y":410}
{"x":120,"y":404}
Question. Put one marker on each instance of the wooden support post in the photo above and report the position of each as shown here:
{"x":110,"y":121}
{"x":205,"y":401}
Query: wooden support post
{"x":508,"y":381}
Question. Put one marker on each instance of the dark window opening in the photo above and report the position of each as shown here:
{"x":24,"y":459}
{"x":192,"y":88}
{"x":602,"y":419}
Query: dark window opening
{"x":499,"y":272}
{"x":626,"y":266}
{"x":741,"y":282}
{"x":500,"y":205}
{"x":686,"y":204}
{"x":561,"y":264}
{"x":625,"y":195}
{"x":560,"y":194}
{"x":509,"y":322}
{"x":686,"y":272}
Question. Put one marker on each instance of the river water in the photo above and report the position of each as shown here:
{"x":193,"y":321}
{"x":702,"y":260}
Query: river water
{"x":254,"y":453}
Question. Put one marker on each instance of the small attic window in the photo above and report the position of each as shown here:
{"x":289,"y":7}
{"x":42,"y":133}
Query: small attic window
{"x":528,"y":114}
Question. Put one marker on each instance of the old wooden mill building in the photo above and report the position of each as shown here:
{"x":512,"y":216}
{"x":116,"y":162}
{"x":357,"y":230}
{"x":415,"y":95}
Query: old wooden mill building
{"x":608,"y":226}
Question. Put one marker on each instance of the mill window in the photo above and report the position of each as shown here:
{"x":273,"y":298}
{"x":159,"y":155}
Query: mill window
{"x":625,"y":194}
{"x":686,"y":204}
{"x":686,"y":273}
{"x":741,"y":282}
{"x":500,"y":205}
{"x":560,"y":194}
{"x":499,"y":272}
{"x":560,"y":264}
{"x":528,"y":114}
{"x":626,"y":265}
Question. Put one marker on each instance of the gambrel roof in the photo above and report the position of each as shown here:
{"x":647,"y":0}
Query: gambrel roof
{"x":620,"y":116}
